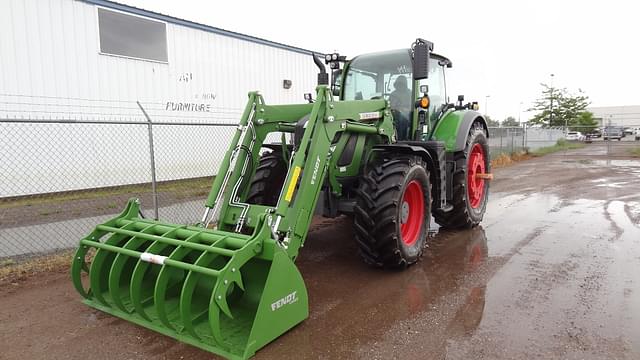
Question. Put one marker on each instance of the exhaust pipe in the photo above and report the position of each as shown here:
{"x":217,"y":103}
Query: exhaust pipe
{"x":323,"y":77}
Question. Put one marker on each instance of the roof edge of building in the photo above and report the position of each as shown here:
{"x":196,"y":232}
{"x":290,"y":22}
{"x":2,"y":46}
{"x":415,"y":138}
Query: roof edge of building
{"x":195,"y":25}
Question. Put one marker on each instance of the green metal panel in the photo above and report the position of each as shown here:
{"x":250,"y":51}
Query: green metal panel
{"x":447,"y":129}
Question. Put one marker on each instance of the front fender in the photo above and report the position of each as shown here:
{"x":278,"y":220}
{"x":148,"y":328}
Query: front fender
{"x":454,"y":126}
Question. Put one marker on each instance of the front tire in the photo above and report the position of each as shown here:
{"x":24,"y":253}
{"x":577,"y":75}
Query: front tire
{"x":393,"y":211}
{"x":470,"y":193}
{"x":268,"y":179}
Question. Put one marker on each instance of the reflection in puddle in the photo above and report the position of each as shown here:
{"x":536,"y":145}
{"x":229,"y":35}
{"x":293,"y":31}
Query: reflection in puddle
{"x":443,"y":296}
{"x":364,"y":307}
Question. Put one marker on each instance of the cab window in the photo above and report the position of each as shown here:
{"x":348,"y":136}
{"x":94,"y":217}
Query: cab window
{"x":437,"y":91}
{"x":375,"y":76}
{"x":387,"y":75}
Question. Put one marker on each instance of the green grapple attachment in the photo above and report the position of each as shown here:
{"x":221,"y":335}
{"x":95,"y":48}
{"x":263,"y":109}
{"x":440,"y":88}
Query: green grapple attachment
{"x":209,"y":288}
{"x":227,"y":284}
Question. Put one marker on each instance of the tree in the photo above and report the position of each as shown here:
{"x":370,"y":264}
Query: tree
{"x":586,"y":123}
{"x":491,"y":122}
{"x":558,"y":107}
{"x":510,"y":121}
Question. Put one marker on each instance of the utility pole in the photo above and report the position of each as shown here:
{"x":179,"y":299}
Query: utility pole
{"x":519,"y":110}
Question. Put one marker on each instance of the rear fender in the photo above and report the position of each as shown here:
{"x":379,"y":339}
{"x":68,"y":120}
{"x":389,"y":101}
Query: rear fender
{"x":454,"y":127}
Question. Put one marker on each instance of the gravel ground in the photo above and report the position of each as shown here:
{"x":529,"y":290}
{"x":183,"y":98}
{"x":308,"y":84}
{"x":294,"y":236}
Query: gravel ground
{"x":551,"y":273}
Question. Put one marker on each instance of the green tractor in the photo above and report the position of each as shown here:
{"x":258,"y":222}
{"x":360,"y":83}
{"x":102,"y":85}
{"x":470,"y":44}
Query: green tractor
{"x":389,"y":151}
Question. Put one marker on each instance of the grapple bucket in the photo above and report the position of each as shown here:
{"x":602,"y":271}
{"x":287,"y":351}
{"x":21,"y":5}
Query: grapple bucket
{"x":224,"y":292}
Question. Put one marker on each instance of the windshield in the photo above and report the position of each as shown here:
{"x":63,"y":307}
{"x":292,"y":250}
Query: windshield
{"x":377,"y":76}
{"x":386,"y":75}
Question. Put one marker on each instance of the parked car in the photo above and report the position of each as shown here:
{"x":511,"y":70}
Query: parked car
{"x":595,"y":133}
{"x":628,"y":131}
{"x":574,"y":136}
{"x":613,"y":132}
{"x":637,"y":135}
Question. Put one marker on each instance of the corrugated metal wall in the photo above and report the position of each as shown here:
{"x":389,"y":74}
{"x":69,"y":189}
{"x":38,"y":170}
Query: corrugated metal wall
{"x":51,"y":48}
{"x":51,"y":68}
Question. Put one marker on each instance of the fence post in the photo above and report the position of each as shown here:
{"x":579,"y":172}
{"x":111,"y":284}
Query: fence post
{"x":512,"y":140}
{"x":154,"y":188}
{"x":608,"y":128}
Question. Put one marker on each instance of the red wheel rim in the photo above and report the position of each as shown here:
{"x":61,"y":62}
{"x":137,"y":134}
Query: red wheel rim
{"x":411,"y":213}
{"x":475,"y":185}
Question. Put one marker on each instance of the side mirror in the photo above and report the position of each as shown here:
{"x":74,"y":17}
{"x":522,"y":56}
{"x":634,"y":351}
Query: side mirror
{"x":336,"y":79}
{"x":421,"y":52}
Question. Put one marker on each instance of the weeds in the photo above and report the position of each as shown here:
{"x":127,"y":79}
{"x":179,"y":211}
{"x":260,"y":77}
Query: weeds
{"x":505,"y":159}
{"x":13,"y":271}
{"x":561,"y":145}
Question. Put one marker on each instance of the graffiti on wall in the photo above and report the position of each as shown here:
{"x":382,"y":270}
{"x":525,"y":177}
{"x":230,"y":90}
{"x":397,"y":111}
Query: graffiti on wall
{"x":184,"y":106}
{"x":198,"y":106}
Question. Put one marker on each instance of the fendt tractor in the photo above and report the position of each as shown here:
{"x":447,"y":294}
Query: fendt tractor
{"x":380,"y":144}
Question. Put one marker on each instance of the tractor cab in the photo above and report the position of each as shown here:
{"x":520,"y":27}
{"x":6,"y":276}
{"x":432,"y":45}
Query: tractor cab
{"x":390,"y":75}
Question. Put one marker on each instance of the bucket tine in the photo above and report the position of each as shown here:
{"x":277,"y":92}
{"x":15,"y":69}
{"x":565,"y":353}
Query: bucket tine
{"x":78,"y":266}
{"x":137,"y":285}
{"x":162,"y":283}
{"x":79,"y":262}
{"x":101,"y":264}
{"x":214,"y":323}
{"x":119,"y":263}
{"x":186,"y":299}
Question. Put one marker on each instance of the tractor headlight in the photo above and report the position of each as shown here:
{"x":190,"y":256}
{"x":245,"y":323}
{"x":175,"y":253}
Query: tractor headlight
{"x":334,"y":57}
{"x":327,"y":57}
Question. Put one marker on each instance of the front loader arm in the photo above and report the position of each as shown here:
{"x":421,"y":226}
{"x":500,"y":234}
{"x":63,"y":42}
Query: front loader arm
{"x":289,"y":220}
{"x":298,"y":199}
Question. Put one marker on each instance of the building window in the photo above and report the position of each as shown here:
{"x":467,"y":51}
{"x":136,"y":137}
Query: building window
{"x":132,"y":36}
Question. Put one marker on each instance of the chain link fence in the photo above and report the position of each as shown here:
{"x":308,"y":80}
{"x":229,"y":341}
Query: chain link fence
{"x":506,"y":140}
{"x":70,"y":163}
{"x":77,"y":164}
{"x":61,"y":179}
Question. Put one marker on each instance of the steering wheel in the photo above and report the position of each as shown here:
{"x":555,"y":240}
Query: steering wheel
{"x":380,"y":97}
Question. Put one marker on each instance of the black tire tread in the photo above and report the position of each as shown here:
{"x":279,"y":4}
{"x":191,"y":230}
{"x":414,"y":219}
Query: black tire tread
{"x":459,"y":217}
{"x":268,"y":179}
{"x":375,"y":212}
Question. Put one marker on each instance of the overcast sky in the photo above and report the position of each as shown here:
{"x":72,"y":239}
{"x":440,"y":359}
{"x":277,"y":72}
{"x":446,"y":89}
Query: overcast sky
{"x":503,"y":50}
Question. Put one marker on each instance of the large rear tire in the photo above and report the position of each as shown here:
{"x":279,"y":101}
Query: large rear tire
{"x":268,"y":180}
{"x":393,"y":211}
{"x":470,"y":193}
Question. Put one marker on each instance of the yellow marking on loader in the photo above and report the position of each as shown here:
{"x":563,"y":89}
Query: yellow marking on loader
{"x":292,"y":184}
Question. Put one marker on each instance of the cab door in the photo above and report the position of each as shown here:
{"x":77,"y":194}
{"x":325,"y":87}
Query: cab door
{"x":436,"y":89}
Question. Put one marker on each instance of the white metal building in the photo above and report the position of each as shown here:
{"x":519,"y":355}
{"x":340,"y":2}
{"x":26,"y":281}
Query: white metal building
{"x":93,"y":61}
{"x":626,"y":115}
{"x":96,"y":49}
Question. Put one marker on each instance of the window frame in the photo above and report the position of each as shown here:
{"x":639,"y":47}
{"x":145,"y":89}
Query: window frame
{"x":100,"y":52}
